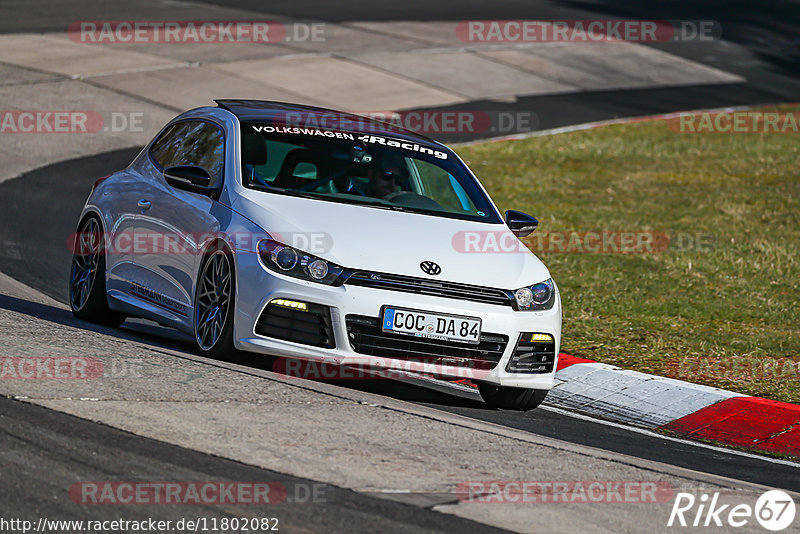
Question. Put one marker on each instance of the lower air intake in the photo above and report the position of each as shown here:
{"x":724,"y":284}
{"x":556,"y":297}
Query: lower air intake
{"x":534,"y":353}
{"x":309,"y":324}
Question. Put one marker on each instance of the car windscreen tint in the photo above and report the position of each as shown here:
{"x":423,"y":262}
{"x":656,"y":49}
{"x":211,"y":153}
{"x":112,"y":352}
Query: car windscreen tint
{"x":373,"y":170}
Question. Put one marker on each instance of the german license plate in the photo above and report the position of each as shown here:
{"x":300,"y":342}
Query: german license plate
{"x":431,"y":325}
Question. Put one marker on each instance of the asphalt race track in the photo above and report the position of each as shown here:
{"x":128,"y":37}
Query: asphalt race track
{"x":60,"y":449}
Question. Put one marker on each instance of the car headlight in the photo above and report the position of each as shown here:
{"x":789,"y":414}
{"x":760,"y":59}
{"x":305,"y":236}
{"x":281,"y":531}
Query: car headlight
{"x":290,"y":261}
{"x":539,"y":296}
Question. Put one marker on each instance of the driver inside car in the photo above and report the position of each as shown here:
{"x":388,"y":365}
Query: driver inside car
{"x":386,"y":179}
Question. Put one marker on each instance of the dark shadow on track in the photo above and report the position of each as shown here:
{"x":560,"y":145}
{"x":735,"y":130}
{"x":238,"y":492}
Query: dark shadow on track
{"x":556,"y":111}
{"x":770,"y":28}
{"x":40,"y":211}
{"x":132,"y":329}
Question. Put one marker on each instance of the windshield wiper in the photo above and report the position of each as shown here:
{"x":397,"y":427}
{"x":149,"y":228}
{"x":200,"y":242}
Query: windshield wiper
{"x":373,"y":202}
{"x":289,"y":192}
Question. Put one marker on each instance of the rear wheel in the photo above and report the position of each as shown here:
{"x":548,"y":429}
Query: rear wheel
{"x":87,"y":279}
{"x":214,"y":304}
{"x":507,"y":398}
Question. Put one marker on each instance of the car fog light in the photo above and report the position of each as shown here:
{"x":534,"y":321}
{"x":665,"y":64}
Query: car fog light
{"x":524,"y":297}
{"x":318,"y":269}
{"x":292,"y":304}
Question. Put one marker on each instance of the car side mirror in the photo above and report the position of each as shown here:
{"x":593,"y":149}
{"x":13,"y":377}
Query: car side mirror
{"x":189,"y":178}
{"x":521,"y":224}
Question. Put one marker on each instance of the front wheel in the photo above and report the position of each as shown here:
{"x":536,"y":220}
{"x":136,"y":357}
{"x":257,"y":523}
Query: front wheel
{"x":214,"y":305}
{"x":507,"y":398}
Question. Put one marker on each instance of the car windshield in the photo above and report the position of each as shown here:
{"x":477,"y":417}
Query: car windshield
{"x":374,"y":170}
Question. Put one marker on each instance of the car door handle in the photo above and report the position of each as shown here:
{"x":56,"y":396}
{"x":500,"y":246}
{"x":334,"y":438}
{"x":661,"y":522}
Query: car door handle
{"x":144,"y":204}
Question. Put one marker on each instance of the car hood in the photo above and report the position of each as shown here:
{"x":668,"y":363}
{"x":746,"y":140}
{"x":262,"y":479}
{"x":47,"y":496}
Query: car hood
{"x":372,"y":239}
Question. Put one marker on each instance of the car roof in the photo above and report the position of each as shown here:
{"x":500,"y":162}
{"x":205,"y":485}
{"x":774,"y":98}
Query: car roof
{"x":267,"y":110}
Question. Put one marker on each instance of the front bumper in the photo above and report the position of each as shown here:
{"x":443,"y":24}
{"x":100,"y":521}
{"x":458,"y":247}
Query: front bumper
{"x":256,"y":287}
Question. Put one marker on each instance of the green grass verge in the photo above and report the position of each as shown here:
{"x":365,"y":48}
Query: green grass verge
{"x":734,"y":301}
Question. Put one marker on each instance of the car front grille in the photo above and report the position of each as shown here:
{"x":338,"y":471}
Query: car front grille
{"x":309,"y":327}
{"x":436,"y":288}
{"x":366,"y":337}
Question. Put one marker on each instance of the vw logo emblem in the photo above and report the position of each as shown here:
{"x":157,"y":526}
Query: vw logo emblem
{"x":428,"y":267}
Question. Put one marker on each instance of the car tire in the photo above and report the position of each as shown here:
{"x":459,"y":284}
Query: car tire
{"x":214,"y":301}
{"x":507,"y":398}
{"x":87,"y":279}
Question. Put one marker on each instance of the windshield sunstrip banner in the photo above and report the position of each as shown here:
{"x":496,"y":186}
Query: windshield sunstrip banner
{"x":368,"y":139}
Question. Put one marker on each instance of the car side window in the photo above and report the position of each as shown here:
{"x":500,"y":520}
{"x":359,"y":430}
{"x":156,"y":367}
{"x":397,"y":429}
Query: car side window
{"x":192,"y":142}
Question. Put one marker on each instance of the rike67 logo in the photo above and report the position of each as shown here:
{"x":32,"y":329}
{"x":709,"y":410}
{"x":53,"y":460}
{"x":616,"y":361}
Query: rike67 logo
{"x":774,"y":510}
